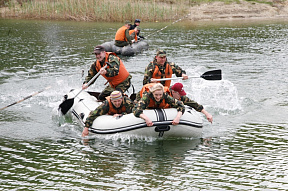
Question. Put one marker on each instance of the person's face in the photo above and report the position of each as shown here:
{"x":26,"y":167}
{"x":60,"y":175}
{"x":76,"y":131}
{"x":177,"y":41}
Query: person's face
{"x":158,"y":94}
{"x":127,"y":26}
{"x":175,"y":95}
{"x":161,"y":60}
{"x":137,"y":24}
{"x":100,"y":57}
{"x":117,"y":103}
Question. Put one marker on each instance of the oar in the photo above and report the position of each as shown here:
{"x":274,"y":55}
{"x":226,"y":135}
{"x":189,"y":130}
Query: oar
{"x":26,"y":97}
{"x":209,"y":75}
{"x":67,"y":104}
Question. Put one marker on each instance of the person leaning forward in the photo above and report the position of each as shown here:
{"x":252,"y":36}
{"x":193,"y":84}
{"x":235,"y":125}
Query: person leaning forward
{"x":137,"y":24}
{"x":116,"y":74}
{"x":146,"y":88}
{"x":177,"y":92}
{"x":161,"y":68}
{"x":116,"y":104}
{"x":157,"y":98}
{"x":122,"y":37}
{"x":133,"y":34}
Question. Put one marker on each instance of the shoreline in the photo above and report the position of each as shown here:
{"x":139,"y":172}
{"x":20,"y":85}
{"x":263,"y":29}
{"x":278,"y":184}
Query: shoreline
{"x":243,"y":10}
{"x":212,"y":11}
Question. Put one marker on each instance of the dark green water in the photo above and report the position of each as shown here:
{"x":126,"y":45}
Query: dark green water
{"x":244,"y":149}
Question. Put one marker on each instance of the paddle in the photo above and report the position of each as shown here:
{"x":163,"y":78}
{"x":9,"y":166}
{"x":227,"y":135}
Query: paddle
{"x":209,"y":75}
{"x":26,"y":97}
{"x":67,"y":104}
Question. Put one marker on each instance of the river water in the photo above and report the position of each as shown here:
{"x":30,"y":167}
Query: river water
{"x":244,"y":149}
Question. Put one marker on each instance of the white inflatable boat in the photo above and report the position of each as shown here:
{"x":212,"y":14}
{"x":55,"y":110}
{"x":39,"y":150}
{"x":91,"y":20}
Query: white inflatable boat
{"x":136,"y":48}
{"x":190,"y":124}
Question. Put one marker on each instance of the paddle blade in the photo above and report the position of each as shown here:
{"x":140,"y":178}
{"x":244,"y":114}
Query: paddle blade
{"x":66,"y":105}
{"x":212,"y":75}
{"x":133,"y":96}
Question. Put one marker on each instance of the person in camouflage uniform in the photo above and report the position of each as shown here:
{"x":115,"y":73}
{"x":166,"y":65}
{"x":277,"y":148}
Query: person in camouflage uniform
{"x":178,"y":93}
{"x":157,"y":98}
{"x":166,"y":70}
{"x":117,"y":75}
{"x":122,"y":36}
{"x":116,"y":105}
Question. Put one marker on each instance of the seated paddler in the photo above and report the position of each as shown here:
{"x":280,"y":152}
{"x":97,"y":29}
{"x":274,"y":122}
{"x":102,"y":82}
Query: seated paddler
{"x":160,"y":68}
{"x":137,"y":24}
{"x":116,"y":104}
{"x":132,"y":33}
{"x":122,"y":37}
{"x":116,"y":73}
{"x":157,"y":98}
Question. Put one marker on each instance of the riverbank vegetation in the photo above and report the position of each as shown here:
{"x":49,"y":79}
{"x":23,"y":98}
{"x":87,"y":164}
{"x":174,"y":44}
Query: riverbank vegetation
{"x":107,"y":11}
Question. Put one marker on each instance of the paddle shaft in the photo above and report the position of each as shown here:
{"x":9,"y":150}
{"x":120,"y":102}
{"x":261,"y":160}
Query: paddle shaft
{"x":176,"y":78}
{"x":96,"y":76}
{"x":68,"y":103}
{"x":26,"y":97}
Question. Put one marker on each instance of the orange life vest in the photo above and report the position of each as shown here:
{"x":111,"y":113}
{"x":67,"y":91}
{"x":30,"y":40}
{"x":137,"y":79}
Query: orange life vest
{"x":130,"y":32}
{"x":162,"y":105}
{"x":168,"y":74}
{"x":115,"y":80}
{"x":112,"y":109}
{"x":146,"y":87}
{"x":120,"y":34}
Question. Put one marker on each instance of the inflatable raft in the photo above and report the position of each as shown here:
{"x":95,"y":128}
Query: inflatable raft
{"x":190,"y":124}
{"x":136,"y":48}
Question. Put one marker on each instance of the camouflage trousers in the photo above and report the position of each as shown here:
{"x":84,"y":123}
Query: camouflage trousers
{"x":122,"y":87}
{"x":121,"y":43}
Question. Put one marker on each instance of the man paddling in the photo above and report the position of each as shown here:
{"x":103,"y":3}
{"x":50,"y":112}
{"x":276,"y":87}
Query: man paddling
{"x":116,"y":104}
{"x":116,"y":73}
{"x":161,"y":68}
{"x":177,"y":92}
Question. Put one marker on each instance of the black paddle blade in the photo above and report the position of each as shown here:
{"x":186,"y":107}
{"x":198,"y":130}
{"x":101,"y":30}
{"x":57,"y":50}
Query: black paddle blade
{"x":133,"y":96}
{"x":212,"y":75}
{"x":66,"y":105}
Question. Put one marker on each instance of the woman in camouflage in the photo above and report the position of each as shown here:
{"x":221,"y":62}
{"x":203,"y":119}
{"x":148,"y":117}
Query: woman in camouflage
{"x":157,"y":98}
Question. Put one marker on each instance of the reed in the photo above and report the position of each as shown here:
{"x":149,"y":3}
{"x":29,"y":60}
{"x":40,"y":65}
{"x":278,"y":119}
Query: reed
{"x":96,"y":10}
{"x":107,"y":10}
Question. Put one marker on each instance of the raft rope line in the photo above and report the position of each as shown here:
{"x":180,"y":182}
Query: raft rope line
{"x":169,"y":25}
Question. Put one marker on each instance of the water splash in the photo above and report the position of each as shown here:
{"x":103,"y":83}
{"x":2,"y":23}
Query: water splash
{"x":220,"y":96}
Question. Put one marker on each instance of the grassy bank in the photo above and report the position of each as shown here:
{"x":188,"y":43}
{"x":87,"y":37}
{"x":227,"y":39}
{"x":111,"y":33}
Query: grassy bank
{"x":96,"y":10}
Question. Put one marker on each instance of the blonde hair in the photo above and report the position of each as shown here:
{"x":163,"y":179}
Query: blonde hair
{"x":157,"y":86}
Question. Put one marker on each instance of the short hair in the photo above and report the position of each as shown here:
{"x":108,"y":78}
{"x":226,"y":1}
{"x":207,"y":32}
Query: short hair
{"x":157,"y":86}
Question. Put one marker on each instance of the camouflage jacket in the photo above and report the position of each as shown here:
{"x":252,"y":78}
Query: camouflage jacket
{"x":113,"y":71}
{"x":149,"y":70}
{"x":191,"y":103}
{"x":129,"y":37}
{"x":145,"y":100}
{"x":103,"y":109}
